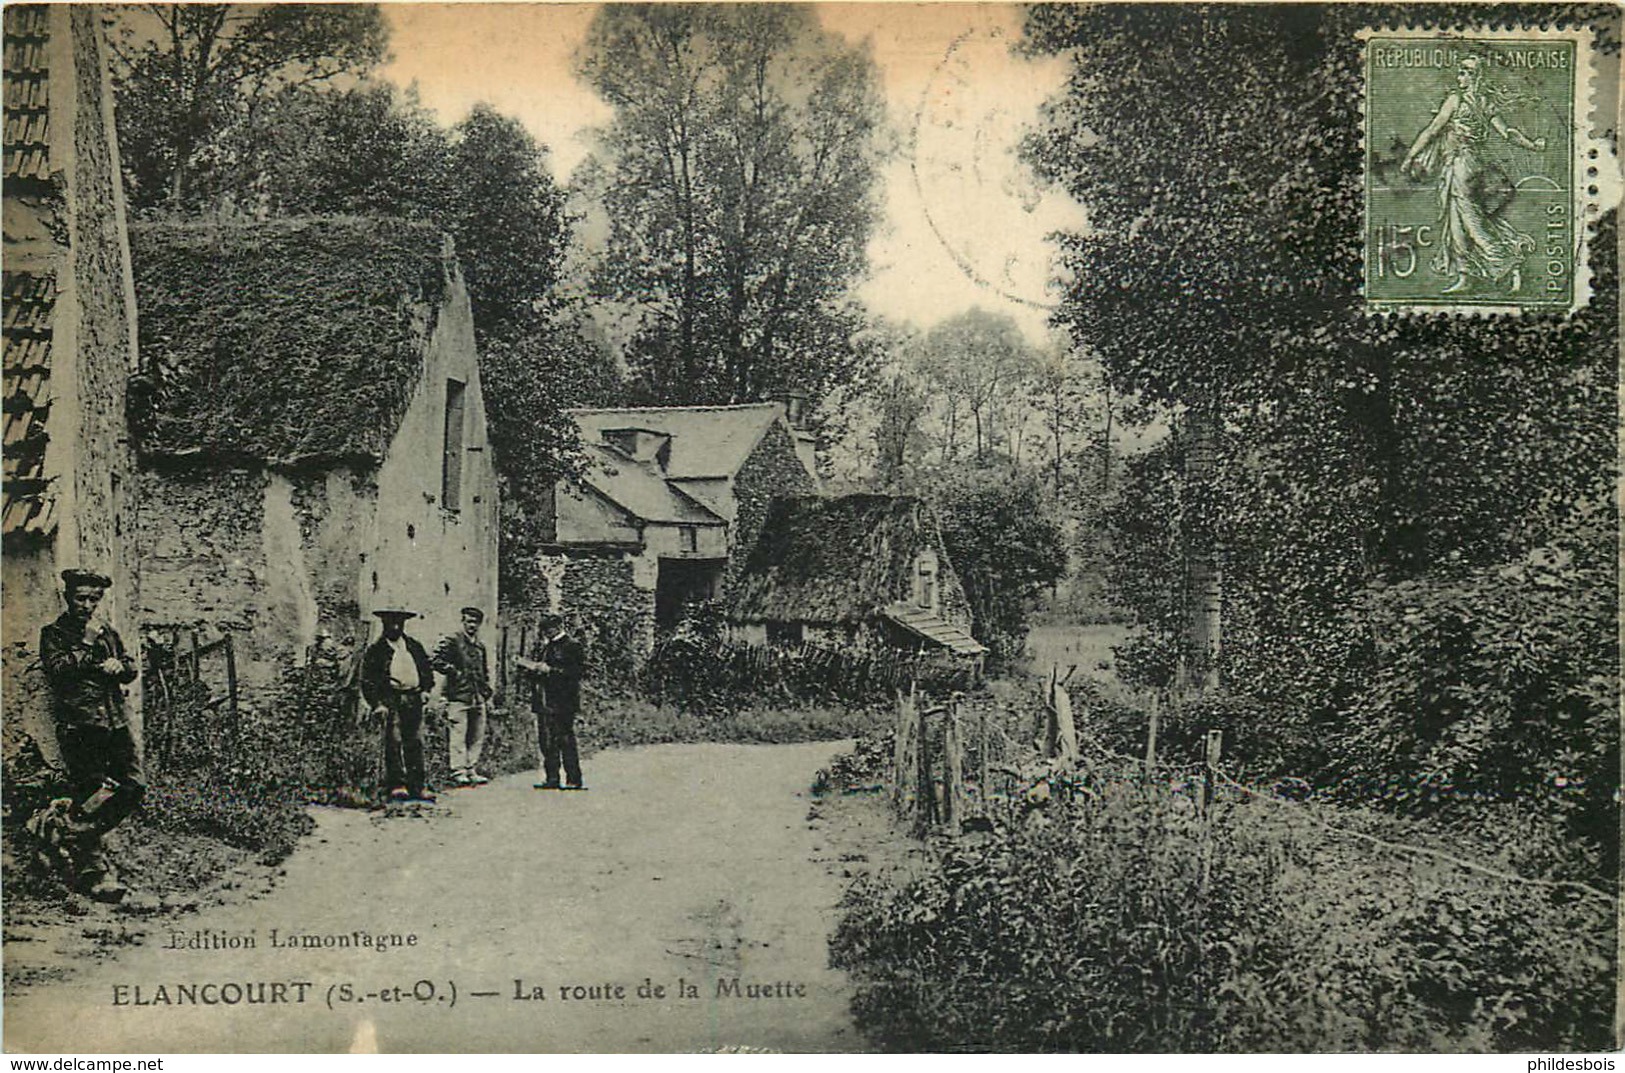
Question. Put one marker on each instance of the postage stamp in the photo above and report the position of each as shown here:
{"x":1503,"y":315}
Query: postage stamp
{"x":1476,"y":171}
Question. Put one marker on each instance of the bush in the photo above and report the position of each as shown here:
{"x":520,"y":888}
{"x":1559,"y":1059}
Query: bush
{"x":1124,"y":922}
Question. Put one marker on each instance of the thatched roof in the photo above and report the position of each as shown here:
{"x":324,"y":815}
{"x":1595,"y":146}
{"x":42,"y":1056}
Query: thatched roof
{"x":833,"y":560}
{"x":290,"y":342}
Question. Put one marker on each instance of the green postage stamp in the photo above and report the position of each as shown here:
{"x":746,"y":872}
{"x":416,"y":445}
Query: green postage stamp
{"x":1478,"y":170}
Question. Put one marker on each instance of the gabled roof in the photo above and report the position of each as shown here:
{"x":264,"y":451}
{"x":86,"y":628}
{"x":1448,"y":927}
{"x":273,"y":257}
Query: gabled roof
{"x":707,"y":441}
{"x":833,"y":560}
{"x":289,"y":342}
{"x":641,"y":490}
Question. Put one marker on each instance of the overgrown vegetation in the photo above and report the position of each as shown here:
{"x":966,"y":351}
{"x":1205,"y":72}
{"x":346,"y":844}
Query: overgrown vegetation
{"x":1121,"y":919}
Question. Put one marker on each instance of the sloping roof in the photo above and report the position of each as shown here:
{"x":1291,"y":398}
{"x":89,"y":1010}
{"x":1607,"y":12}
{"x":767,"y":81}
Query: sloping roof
{"x":29,"y":503}
{"x":707,"y":441}
{"x":932,"y":627}
{"x":289,"y":342}
{"x":639,"y":487}
{"x":832,"y":560}
{"x":27,"y":87}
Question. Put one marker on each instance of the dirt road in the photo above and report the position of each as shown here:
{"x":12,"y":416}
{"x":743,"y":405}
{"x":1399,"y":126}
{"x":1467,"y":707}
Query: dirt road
{"x":685,"y":867}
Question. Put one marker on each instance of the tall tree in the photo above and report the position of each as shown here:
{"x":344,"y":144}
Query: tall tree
{"x":979,"y":360}
{"x":189,"y":74}
{"x":738,"y":175}
{"x":1371,"y":478}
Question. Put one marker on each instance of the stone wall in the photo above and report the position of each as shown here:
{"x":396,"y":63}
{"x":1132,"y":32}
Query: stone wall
{"x":89,"y":460}
{"x":428,"y":556}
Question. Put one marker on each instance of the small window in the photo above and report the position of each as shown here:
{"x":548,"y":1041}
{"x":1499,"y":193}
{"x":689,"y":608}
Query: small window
{"x":688,"y":537}
{"x":784,"y":633}
{"x":451,"y":471}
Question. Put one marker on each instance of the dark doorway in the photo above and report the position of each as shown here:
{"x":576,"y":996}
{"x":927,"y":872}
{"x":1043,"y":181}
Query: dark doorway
{"x":682,"y":582}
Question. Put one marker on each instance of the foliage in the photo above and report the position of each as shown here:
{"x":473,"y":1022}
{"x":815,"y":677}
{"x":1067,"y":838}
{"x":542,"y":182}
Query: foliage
{"x":715,"y":675}
{"x":190,"y":77}
{"x":1381,"y":488}
{"x":1004,"y":547}
{"x":1122,"y":921}
{"x":622,"y":721}
{"x":976,"y":362}
{"x":324,"y":296}
{"x":738,"y":177}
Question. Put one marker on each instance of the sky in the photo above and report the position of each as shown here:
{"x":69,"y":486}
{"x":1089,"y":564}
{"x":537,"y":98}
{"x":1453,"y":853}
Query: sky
{"x":962,"y":223}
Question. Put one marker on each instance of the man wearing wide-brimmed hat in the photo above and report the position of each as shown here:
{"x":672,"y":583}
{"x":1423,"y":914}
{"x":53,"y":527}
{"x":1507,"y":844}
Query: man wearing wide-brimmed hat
{"x":87,"y":668}
{"x":395,"y":677}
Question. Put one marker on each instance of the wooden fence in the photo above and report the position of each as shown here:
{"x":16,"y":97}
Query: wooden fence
{"x":954,"y":764}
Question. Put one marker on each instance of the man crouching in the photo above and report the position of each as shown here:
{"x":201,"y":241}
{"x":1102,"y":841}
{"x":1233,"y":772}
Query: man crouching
{"x":87,"y":669}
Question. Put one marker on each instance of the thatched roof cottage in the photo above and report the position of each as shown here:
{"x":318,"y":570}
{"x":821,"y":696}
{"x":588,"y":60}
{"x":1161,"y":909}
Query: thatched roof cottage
{"x":866,"y":570}
{"x":312,"y":435}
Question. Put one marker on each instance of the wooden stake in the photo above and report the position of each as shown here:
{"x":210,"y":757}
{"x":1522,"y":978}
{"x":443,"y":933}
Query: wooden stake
{"x":1151,"y":736}
{"x":953,"y":780}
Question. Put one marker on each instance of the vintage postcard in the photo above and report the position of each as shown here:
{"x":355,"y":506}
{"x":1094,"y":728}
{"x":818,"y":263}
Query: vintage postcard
{"x":809,"y":528}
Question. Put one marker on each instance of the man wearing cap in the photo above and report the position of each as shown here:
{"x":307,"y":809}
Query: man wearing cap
{"x":395,"y":677}
{"x":556,"y":701}
{"x":87,"y":669}
{"x":460,"y":659}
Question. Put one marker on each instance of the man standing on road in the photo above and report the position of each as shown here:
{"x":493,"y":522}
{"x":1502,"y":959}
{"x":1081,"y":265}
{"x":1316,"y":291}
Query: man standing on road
{"x":87,"y":669}
{"x":460,"y":659}
{"x":395,"y":677}
{"x":556,"y":701}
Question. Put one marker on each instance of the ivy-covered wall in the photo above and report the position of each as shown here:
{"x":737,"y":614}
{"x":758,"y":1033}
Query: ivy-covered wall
{"x":773,"y":469}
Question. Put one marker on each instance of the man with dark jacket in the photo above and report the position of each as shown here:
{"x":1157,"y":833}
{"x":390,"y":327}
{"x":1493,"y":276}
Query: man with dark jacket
{"x":556,"y":700}
{"x":87,"y":669}
{"x":395,"y":677}
{"x":460,"y":660}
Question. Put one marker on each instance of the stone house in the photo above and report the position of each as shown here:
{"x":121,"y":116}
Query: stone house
{"x":69,"y":346}
{"x":312,"y":437}
{"x":666,"y":499}
{"x":865,"y":571}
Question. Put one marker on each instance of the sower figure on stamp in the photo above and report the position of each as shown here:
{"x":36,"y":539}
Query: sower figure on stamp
{"x":1475,"y":240}
{"x":460,"y":659}
{"x":87,"y":669}
{"x":556,"y":701}
{"x":395,"y":677}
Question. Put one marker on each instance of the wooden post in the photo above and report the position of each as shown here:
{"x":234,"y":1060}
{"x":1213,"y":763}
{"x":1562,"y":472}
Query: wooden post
{"x":1215,"y":744}
{"x":231,"y":691}
{"x":982,"y":760}
{"x":1066,"y":733}
{"x":926,"y":800}
{"x":1151,"y":737}
{"x":900,"y":770}
{"x":953,"y":770}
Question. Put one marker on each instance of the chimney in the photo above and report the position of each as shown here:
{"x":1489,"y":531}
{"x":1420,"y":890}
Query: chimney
{"x":795,"y":407}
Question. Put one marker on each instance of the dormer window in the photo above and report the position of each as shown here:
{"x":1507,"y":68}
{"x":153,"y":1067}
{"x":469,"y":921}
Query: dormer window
{"x":639,"y":444}
{"x":925,"y":580}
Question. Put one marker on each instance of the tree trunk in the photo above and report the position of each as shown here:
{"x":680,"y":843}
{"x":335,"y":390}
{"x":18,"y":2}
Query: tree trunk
{"x":1204,"y":576}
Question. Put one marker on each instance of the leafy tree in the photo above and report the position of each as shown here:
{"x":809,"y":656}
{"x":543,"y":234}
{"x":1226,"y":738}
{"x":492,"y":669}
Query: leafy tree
{"x":188,"y":75}
{"x":738,"y":176}
{"x":978,"y":360}
{"x":1344,"y":453}
{"x":1004,"y":546}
